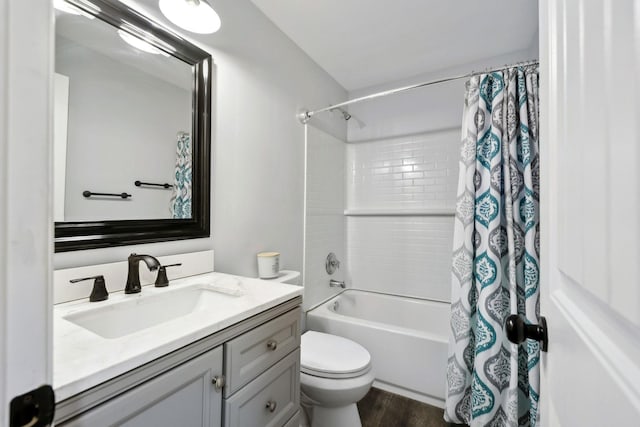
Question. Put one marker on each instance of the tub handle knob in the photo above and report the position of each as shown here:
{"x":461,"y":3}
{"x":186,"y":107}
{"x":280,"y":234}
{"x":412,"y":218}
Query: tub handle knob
{"x":271,"y":406}
{"x":272,"y":345}
{"x":331,"y":264}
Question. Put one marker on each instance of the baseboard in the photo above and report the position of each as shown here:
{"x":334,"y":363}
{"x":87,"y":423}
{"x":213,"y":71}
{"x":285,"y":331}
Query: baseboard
{"x":429,"y":400}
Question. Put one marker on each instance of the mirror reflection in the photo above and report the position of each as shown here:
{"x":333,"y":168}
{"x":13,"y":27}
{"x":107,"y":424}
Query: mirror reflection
{"x":123,"y":125}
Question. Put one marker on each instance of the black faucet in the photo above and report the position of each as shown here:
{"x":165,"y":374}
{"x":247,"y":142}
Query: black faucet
{"x":133,"y":278}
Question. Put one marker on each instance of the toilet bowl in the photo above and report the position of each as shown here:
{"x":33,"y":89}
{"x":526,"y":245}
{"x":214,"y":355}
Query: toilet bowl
{"x":335,"y":374}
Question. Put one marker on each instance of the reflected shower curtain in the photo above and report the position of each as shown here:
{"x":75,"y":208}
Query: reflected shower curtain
{"x":181,"y":197}
{"x":490,"y":381}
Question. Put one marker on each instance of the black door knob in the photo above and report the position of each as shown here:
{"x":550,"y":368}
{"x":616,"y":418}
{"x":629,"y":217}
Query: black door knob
{"x":519,"y":330}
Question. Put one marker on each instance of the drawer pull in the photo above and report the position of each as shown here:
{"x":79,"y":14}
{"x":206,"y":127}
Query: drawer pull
{"x":271,"y":406}
{"x":272,"y":345}
{"x":218,"y":382}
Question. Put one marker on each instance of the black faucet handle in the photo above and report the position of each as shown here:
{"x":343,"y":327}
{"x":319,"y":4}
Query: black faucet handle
{"x":162,"y":280}
{"x":177,"y":264}
{"x":99,"y":291}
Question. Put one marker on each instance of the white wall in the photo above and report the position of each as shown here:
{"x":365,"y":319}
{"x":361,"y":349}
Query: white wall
{"x":105,"y":158}
{"x":261,"y":79}
{"x":324,"y":214}
{"x":405,"y":161}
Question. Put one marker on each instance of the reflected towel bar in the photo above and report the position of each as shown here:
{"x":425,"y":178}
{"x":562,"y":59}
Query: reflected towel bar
{"x":165,"y":185}
{"x":91,"y":193}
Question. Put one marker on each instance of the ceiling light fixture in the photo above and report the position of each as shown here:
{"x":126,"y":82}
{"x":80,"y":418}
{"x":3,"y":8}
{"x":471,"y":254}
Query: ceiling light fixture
{"x":193,"y":15}
{"x":139,"y":44}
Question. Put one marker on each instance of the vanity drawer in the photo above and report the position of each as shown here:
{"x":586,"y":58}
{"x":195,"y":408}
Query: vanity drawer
{"x":253,"y":352}
{"x":268,"y":401}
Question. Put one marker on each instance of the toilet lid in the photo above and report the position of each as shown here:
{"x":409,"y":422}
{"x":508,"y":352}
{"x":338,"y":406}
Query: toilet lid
{"x":331,"y":356}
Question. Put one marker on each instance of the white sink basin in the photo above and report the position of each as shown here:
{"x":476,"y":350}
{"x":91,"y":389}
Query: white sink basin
{"x":137,"y":312}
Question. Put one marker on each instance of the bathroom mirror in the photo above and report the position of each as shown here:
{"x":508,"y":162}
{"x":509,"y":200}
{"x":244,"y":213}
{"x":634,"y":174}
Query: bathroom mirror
{"x":131,"y":129}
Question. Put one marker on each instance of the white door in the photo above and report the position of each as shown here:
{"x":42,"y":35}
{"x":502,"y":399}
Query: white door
{"x":26,"y":248}
{"x":590,"y":142}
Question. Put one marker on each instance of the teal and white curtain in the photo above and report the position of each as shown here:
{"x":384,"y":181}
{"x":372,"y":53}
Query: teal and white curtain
{"x":181,"y":197}
{"x":496,"y":268}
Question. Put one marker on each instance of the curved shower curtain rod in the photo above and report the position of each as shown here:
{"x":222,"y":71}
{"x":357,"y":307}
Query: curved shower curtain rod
{"x":305,"y":116}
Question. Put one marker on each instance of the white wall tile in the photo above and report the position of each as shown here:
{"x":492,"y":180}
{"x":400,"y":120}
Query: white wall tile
{"x":324,"y":214}
{"x":401,"y":255}
{"x":417,"y":171}
{"x":325,"y":174}
{"x":324,"y":234}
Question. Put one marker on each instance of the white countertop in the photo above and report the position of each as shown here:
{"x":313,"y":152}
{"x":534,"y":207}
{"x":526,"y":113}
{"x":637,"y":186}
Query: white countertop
{"x":83,"y":359}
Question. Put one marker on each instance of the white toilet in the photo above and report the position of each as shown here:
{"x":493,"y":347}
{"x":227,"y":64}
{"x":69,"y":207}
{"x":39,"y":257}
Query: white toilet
{"x":335,"y":374}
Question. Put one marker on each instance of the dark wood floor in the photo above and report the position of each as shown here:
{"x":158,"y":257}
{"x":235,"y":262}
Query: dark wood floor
{"x":383,"y":409}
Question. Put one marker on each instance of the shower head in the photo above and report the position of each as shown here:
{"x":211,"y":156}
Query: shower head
{"x":348,"y":116}
{"x":345,"y":114}
{"x":304,"y":116}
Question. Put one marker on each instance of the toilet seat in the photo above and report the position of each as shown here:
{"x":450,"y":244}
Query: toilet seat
{"x":331,"y":356}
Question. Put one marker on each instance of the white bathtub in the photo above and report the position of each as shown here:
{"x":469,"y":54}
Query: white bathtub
{"x":407,"y":338}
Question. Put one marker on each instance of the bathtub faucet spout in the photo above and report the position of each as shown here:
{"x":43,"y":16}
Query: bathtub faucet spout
{"x":336,"y":283}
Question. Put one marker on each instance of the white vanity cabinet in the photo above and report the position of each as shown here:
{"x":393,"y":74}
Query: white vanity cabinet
{"x":246,"y":375}
{"x":184,"y":396}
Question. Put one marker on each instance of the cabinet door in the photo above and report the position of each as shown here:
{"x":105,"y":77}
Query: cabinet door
{"x":184,"y":396}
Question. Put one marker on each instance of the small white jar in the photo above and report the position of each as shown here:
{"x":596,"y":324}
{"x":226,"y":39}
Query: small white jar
{"x":268,"y":265}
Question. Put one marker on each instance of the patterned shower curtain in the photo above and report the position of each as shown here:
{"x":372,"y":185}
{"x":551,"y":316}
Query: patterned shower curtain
{"x":181,"y":197}
{"x":490,"y":381}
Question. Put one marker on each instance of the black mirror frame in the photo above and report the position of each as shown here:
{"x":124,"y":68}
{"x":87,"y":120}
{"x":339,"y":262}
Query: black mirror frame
{"x":72,"y":236}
